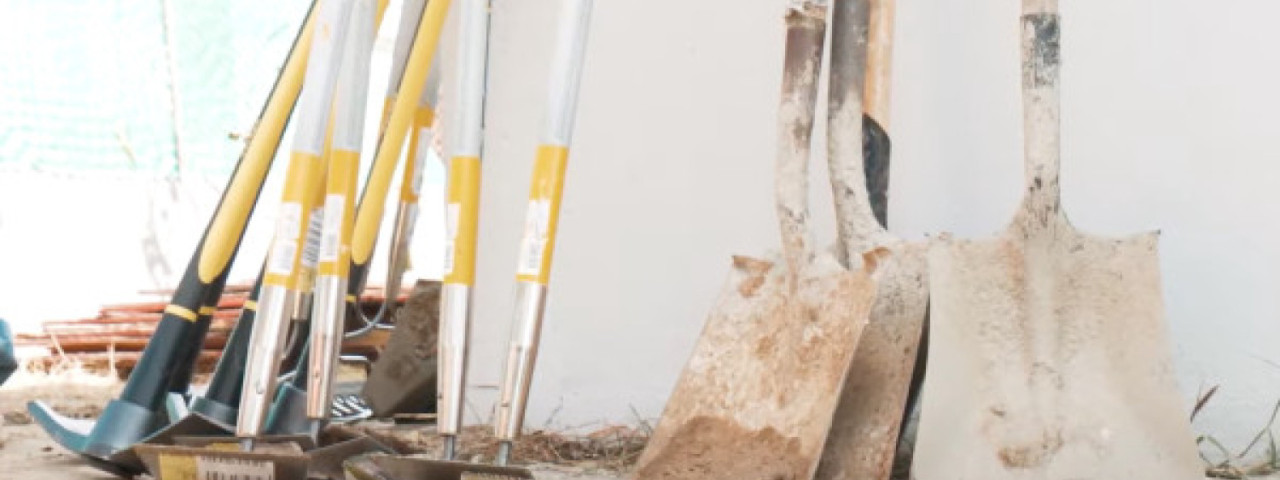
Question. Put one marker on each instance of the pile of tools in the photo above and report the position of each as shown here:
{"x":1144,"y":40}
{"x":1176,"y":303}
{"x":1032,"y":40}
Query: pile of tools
{"x":1040,"y":353}
{"x":273,"y":392}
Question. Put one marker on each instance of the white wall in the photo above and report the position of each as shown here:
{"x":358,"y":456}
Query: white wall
{"x":1167,"y":124}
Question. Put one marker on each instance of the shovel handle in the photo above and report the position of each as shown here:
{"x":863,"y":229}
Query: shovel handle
{"x":462,"y":211}
{"x":1040,"y":102}
{"x":1033,"y":7}
{"x":802,"y":63}
{"x":879,"y":81}
{"x":855,"y":223}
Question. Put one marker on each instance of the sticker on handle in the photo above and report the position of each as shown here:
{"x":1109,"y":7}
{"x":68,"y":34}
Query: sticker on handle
{"x":464,"y":196}
{"x":285,"y":246}
{"x":311,"y":248}
{"x":334,"y":210}
{"x":542,"y":217}
{"x":534,"y":242}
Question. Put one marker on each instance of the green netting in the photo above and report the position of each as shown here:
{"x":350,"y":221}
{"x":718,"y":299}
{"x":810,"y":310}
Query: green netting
{"x":85,"y":85}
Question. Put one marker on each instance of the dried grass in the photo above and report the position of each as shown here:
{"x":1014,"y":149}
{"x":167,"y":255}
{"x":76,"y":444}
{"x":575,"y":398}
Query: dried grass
{"x":1231,"y":465}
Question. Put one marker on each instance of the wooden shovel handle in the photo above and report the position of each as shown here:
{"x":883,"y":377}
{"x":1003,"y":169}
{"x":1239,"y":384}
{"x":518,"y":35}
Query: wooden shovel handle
{"x":1041,"y":62}
{"x":1032,"y":7}
{"x":806,"y":29}
{"x":879,"y":61}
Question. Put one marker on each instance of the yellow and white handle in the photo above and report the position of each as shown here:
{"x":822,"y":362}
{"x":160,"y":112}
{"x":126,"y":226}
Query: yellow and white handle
{"x":462,"y":213}
{"x":328,"y":311}
{"x":541,"y":221}
{"x":410,"y":183}
{"x":403,"y":108}
{"x":303,"y":176}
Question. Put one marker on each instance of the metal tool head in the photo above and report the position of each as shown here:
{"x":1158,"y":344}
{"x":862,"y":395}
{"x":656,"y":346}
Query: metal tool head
{"x":326,"y":461}
{"x":121,"y":425}
{"x":108,"y":450}
{"x":1049,"y":356}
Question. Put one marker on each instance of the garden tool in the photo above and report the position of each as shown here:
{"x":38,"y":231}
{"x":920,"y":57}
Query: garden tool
{"x":334,"y":256}
{"x":411,"y":178}
{"x":756,"y":398}
{"x":300,"y":332}
{"x":865,"y":427}
{"x":462,"y":211}
{"x":417,"y":81}
{"x":1049,"y":357}
{"x":394,"y":386}
{"x":305,"y":173}
{"x":289,"y":409}
{"x":533,"y":270}
{"x":135,"y":416}
{"x":221,"y":399}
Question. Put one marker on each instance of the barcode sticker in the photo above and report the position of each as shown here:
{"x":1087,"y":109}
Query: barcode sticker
{"x":533,"y":244}
{"x":451,"y":219}
{"x":311,"y":247}
{"x":334,"y":206}
{"x":213,"y":468}
{"x":285,"y":245}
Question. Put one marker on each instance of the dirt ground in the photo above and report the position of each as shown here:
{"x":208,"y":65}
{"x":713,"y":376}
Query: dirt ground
{"x":25,"y":448}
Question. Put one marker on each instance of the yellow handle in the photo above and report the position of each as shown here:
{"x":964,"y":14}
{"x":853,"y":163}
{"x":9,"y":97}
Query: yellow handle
{"x":422,"y":120}
{"x":462,"y":219}
{"x":304,"y":176}
{"x":232,"y":217}
{"x":339,"y":208}
{"x":543,"y":215}
{"x":402,"y":111}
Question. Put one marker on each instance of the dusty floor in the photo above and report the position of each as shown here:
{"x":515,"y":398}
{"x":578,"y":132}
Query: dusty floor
{"x":25,"y":448}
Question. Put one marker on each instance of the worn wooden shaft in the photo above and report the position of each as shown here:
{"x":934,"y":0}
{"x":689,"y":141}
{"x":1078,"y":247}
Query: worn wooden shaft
{"x":879,"y":82}
{"x":855,"y":223}
{"x":806,"y":29}
{"x":1040,"y":101}
{"x":1032,"y":7}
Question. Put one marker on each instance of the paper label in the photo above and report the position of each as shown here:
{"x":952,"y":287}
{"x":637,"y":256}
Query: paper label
{"x":311,"y":247}
{"x":285,"y":246}
{"x":451,"y":219}
{"x":534,"y":242}
{"x":334,"y":209}
{"x":214,"y":468}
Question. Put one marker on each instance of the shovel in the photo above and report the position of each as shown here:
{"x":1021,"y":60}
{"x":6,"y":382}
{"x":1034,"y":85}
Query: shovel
{"x":542,"y":218}
{"x":421,"y":27}
{"x":328,"y":311}
{"x":1048,"y":355}
{"x":755,"y":400}
{"x":462,"y":216}
{"x":864,"y":429}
